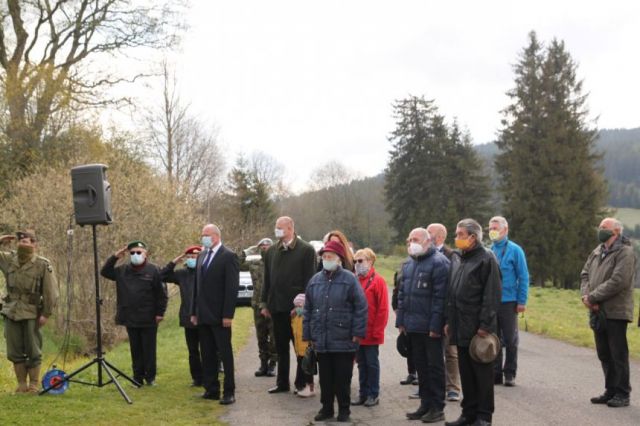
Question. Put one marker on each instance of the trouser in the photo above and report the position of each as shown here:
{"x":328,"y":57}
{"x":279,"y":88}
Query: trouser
{"x":142,"y":343}
{"x":335,"y":371}
{"x":368,"y":370}
{"x":215,"y":341}
{"x":264,"y":335}
{"x":283,"y":338}
{"x":452,"y":373}
{"x":24,"y":341}
{"x":192,"y":336}
{"x":508,"y":333}
{"x":613,"y":353}
{"x":302,"y":379}
{"x":427,"y":355}
{"x":477,"y":386}
{"x":411,"y":366}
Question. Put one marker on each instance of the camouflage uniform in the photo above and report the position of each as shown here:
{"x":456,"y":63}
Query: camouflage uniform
{"x":264,"y":326}
{"x":31,"y":293}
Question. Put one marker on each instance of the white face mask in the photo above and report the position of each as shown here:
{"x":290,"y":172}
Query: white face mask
{"x":329,"y":265}
{"x":415,"y":249}
{"x":137,"y":259}
{"x":362,"y":269}
{"x":279,"y":233}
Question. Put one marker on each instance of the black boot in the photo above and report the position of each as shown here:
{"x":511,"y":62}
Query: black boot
{"x":416,"y":415}
{"x":262,"y":371}
{"x":271,"y":369}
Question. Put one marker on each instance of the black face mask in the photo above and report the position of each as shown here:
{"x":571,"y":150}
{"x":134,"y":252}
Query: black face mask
{"x":604,"y":235}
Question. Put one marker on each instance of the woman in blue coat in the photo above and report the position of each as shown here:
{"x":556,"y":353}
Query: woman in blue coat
{"x":335,"y":320}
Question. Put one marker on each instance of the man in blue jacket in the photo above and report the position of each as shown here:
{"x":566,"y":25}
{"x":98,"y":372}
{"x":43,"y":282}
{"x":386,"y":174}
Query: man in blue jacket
{"x":515,"y":290}
{"x":420,"y":314}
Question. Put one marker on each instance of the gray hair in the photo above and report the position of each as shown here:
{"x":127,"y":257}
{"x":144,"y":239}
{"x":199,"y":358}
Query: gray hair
{"x":500,"y":220}
{"x":472,"y":227}
{"x":617,"y":225}
{"x":425,"y":235}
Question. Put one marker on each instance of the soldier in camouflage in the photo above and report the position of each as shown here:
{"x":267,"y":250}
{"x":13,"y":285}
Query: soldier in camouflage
{"x":30,"y":301}
{"x":264,"y":326}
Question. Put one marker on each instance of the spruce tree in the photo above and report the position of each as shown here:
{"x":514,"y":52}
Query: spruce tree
{"x":553,"y":191}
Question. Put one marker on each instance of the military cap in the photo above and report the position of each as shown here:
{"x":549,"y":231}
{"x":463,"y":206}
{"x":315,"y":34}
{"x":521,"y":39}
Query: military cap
{"x":136,"y":243}
{"x":193,"y":250}
{"x":26,"y":233}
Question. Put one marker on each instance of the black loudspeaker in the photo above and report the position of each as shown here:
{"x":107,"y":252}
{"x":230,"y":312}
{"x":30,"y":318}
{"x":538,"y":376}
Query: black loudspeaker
{"x":91,"y":195}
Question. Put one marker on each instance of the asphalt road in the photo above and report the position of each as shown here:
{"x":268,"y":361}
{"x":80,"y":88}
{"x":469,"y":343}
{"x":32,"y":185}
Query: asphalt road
{"x":555,"y":381}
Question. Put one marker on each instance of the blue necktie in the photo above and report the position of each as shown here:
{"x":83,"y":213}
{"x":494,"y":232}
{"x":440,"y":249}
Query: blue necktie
{"x":207,"y":260}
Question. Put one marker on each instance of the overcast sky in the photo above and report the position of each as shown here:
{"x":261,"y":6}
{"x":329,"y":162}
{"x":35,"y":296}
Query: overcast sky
{"x":309,"y":82}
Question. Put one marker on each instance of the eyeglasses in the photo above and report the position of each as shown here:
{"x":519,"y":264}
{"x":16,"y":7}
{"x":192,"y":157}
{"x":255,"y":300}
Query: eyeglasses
{"x":359,"y":260}
{"x":135,"y":252}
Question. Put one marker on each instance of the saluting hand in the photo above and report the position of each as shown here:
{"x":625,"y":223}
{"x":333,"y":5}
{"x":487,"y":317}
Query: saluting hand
{"x":6,"y":238}
{"x":179,"y":258}
{"x":120,"y":253}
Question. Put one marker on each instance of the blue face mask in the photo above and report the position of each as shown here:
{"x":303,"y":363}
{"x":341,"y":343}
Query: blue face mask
{"x":191,"y":263}
{"x":207,"y":241}
{"x":330,"y":265}
{"x":137,"y":259}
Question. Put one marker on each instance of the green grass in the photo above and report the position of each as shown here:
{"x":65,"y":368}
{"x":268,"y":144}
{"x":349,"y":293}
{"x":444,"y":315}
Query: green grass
{"x":387,"y":265}
{"x":561,"y":315}
{"x":172,"y":402}
{"x":629,"y":217}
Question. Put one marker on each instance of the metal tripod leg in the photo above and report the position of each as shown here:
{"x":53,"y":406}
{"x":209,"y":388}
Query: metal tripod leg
{"x":115,"y":381}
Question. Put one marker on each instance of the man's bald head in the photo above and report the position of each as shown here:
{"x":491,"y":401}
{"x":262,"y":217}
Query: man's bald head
{"x":438,"y":232}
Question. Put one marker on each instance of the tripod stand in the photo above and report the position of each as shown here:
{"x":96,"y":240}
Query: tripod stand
{"x":99,"y":360}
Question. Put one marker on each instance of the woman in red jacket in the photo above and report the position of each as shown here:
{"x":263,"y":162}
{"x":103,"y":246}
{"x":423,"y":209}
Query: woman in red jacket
{"x":375,"y":290}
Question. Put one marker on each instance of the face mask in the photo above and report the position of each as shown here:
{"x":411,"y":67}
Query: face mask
{"x":494,"y":235}
{"x":207,"y":241}
{"x":24,"y":253}
{"x":279,"y":233}
{"x":604,"y":235}
{"x":299,"y":311}
{"x":137,"y":259}
{"x":191,"y":263}
{"x":362,"y":269}
{"x":463,"y":244}
{"x":330,"y":265}
{"x":415,"y":249}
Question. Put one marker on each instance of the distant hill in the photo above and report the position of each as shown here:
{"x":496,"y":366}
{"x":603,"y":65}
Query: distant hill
{"x":621,"y":163}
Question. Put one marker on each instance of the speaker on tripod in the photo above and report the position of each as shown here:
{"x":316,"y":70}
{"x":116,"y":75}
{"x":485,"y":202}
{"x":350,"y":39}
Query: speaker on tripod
{"x":92,"y":206}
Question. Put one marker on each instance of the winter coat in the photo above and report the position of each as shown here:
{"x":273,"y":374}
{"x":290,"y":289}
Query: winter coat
{"x":299,"y":343}
{"x":185,"y":279}
{"x":335,"y":311}
{"x":141,"y":294}
{"x":377,"y":294}
{"x":474,"y":295}
{"x":422,"y":293}
{"x":607,"y":279}
{"x":287,"y":270}
{"x":397,"y":280}
{"x":514,"y":270}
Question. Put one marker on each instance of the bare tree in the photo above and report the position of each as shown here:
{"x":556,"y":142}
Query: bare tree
{"x":47,"y":48}
{"x":268,"y":171}
{"x":184,"y":146}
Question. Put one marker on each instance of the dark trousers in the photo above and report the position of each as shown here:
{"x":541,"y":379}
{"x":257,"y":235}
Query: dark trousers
{"x":302,"y":379}
{"x":215,"y":342}
{"x":613,"y":353}
{"x":428,"y":357}
{"x":142,"y":343}
{"x":192,"y":336}
{"x":411,"y":366}
{"x":368,"y":370}
{"x":335,"y":370}
{"x":477,"y":386}
{"x":283,"y":337}
{"x":508,"y":333}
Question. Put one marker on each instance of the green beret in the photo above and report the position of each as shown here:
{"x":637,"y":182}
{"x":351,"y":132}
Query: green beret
{"x":136,"y":243}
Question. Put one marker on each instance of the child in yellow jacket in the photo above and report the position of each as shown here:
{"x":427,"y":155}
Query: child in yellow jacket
{"x":303,"y":382}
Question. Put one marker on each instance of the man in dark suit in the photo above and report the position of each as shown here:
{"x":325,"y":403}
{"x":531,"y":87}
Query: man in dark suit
{"x":212,"y":309}
{"x":438,"y":234}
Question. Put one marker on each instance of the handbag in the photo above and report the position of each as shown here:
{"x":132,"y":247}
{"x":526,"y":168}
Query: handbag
{"x":310,"y":361}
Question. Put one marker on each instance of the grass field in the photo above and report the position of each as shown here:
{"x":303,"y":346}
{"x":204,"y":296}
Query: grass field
{"x":629,"y":217}
{"x":171,"y":402}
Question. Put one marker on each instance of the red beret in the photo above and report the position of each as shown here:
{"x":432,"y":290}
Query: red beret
{"x":193,"y":250}
{"x":335,"y":247}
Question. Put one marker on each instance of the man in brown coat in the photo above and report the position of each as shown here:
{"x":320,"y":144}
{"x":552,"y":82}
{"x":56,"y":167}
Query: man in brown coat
{"x":607,"y":291}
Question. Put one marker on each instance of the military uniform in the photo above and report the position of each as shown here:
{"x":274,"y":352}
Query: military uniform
{"x":264,"y":326}
{"x":31,"y":293}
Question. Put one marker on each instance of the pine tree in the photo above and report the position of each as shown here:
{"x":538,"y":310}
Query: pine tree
{"x":433,"y":175}
{"x":553,"y":191}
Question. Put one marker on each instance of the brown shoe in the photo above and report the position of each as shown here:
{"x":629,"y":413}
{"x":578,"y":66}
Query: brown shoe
{"x":34,"y":379}
{"x":21,"y":375}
